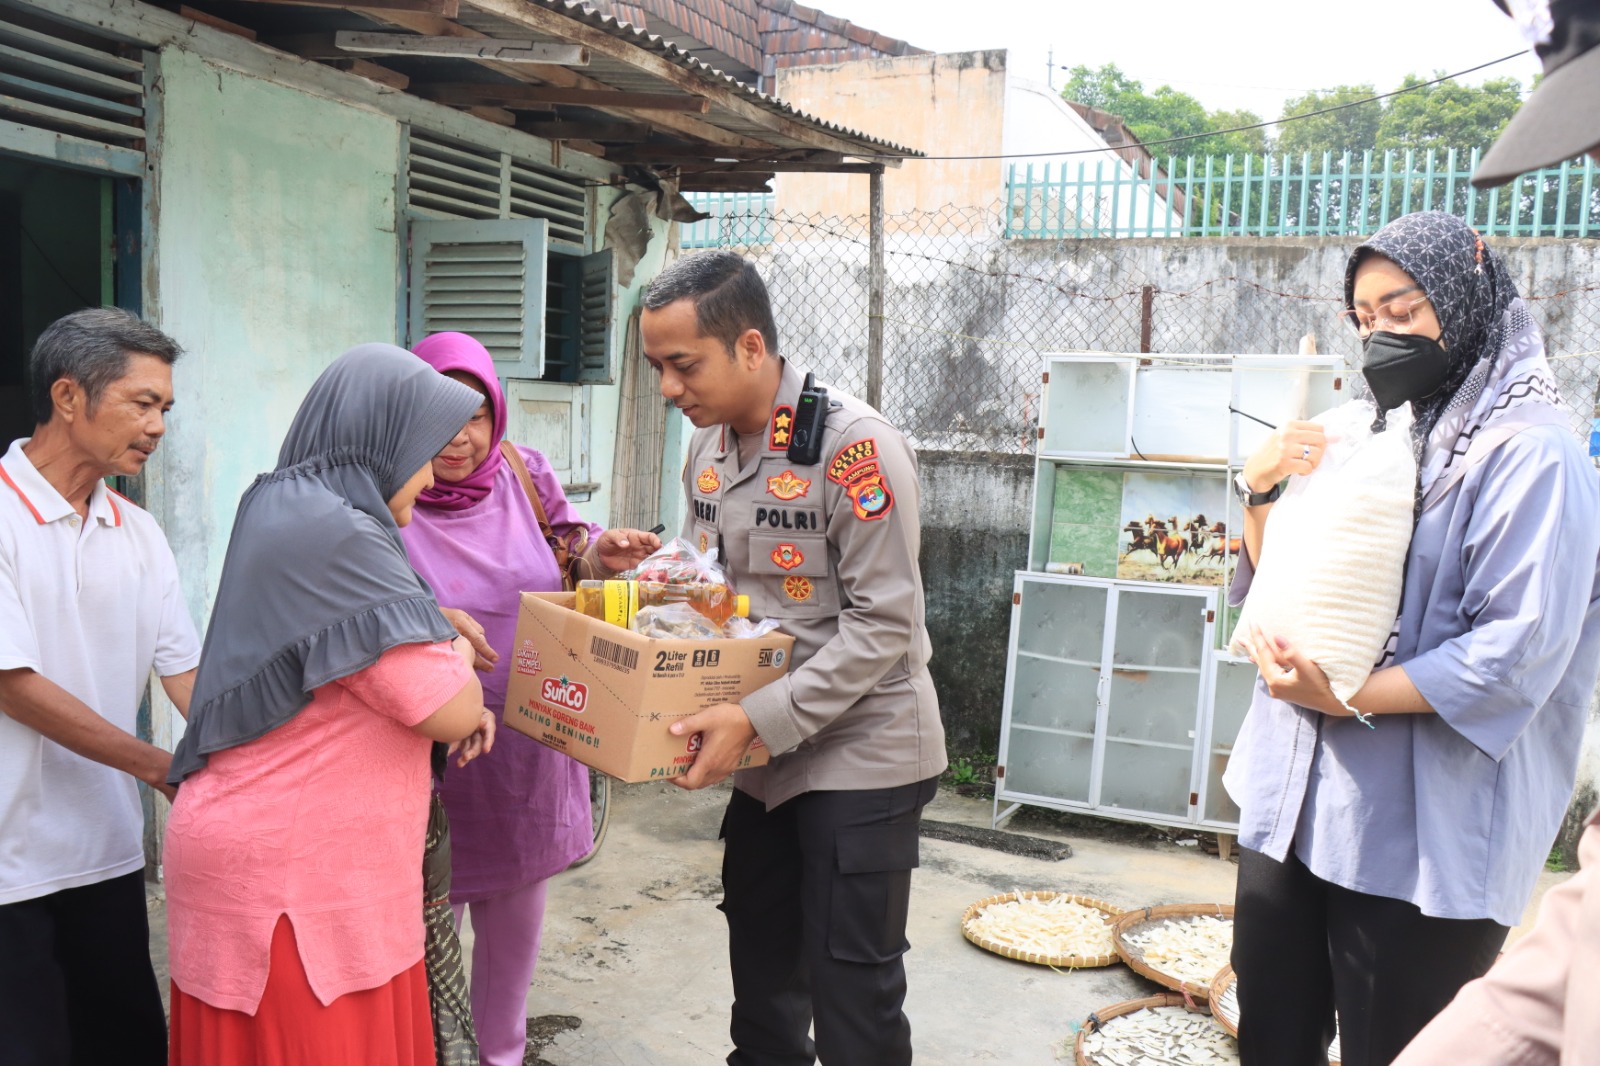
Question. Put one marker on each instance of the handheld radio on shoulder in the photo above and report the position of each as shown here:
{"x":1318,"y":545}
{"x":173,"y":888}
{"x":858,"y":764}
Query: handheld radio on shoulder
{"x":810,"y":413}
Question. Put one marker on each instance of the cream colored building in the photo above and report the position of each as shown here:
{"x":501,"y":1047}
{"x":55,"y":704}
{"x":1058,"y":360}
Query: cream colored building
{"x":963,"y":104}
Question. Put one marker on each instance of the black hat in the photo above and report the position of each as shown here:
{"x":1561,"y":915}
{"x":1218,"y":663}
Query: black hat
{"x":1559,"y":120}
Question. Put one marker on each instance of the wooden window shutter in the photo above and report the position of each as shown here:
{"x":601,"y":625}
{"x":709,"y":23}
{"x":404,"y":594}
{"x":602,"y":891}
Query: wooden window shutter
{"x":598,"y":282}
{"x":484,"y":278}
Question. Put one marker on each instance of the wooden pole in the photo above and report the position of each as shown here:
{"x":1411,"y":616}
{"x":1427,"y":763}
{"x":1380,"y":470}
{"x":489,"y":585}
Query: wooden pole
{"x":1147,"y":306}
{"x":875,"y":280}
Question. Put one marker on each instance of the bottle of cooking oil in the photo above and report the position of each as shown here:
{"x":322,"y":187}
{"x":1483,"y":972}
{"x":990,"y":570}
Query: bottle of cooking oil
{"x":617,"y":601}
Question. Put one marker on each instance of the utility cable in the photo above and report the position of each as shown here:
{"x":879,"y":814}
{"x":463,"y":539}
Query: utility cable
{"x":1211,"y":133}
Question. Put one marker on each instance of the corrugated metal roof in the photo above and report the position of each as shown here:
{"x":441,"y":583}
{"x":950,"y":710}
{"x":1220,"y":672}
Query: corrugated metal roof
{"x":620,"y":75}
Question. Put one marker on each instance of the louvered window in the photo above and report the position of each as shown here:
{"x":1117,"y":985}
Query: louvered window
{"x":496,"y":251}
{"x":70,"y":96}
{"x":450,"y":179}
{"x":486,"y":279}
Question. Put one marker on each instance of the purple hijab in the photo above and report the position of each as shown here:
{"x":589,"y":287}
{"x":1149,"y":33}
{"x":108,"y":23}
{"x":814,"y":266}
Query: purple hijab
{"x":457,"y":351}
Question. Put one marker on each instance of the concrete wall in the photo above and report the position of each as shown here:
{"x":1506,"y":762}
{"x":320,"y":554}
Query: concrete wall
{"x":953,"y":105}
{"x":975,"y":508}
{"x":275,"y":252}
{"x":944,"y":105}
{"x":968,"y":319}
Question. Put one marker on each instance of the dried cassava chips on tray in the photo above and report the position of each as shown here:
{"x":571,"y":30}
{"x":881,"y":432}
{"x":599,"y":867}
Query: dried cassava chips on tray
{"x":1155,"y":1031}
{"x":1048,"y":928}
{"x":1180,"y":945}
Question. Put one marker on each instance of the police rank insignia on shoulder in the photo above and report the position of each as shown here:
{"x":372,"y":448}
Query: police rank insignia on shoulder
{"x":782,"y":427}
{"x":856,"y":468}
{"x":786,"y":486}
{"x":708,"y":481}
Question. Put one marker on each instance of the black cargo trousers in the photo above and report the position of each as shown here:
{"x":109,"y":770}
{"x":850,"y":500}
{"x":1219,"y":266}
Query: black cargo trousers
{"x":816,"y":893}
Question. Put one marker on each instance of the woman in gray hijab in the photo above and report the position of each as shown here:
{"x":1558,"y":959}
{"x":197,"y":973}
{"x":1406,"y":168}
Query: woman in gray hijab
{"x":291,"y":852}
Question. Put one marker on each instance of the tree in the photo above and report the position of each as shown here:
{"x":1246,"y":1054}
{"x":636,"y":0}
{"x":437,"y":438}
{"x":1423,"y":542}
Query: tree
{"x":1161,"y":115}
{"x":1242,"y":143}
{"x":1352,"y":129}
{"x":1448,"y":115}
{"x":1107,"y":88}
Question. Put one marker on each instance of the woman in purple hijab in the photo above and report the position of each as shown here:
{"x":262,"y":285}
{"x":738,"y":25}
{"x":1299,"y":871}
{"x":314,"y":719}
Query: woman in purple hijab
{"x":521,"y":815}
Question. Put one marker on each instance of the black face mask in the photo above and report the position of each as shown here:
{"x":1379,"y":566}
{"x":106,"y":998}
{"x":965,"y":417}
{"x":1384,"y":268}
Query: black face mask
{"x":1402,"y":367}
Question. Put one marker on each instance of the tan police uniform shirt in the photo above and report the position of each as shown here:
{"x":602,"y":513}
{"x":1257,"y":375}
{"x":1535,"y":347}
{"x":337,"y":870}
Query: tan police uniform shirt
{"x":830,"y":552}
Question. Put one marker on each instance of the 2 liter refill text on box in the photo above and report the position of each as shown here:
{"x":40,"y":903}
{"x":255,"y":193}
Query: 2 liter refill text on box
{"x":606,"y":695}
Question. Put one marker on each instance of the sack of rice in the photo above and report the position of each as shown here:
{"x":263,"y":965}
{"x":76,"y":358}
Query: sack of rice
{"x":1334,"y":550}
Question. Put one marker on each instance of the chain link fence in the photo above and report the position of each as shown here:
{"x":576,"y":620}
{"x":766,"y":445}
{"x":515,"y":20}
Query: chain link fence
{"x":969,"y":315}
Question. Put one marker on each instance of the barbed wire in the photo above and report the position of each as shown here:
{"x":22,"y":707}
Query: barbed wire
{"x":970,"y":316}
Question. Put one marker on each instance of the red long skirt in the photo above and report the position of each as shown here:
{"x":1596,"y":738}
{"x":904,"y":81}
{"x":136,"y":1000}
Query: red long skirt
{"x":387,"y":1024}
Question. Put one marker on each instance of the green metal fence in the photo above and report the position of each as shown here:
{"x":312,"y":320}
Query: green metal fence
{"x":736,"y":218}
{"x":1289,"y":196}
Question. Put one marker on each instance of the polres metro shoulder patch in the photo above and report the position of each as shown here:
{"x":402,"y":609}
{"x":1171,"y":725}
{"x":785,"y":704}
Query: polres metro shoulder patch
{"x":851,"y":459}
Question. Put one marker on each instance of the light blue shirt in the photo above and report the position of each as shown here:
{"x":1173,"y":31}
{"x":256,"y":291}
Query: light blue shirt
{"x":1500,"y":632}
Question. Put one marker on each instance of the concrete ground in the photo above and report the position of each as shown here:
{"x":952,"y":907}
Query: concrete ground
{"x":635,"y":950}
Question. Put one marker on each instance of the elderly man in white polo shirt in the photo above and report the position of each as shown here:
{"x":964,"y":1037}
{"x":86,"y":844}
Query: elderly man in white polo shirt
{"x":90,"y":603}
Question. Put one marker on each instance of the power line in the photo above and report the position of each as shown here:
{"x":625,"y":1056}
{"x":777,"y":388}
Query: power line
{"x":1234,"y":129}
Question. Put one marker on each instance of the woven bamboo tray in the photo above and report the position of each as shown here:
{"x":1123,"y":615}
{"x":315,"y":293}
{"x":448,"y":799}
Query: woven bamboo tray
{"x":1132,"y":920}
{"x":1105,"y":1014}
{"x":1073,"y":962}
{"x":1226,"y":1012}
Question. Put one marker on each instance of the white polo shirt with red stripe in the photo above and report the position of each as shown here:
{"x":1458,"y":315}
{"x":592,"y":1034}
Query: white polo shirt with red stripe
{"x":92,"y":605}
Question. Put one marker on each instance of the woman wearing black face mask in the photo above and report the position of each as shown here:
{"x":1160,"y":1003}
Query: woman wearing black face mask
{"x":1381,"y":867}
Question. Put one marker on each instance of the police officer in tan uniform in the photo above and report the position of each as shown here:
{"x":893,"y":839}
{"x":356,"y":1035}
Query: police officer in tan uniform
{"x":821,"y":841}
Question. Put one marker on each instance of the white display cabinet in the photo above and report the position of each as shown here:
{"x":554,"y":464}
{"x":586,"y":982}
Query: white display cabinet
{"x":1176,"y":409}
{"x":1120,"y":699}
{"x":1104,"y":694}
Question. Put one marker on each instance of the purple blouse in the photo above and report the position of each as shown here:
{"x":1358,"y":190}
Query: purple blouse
{"x":520,"y":813}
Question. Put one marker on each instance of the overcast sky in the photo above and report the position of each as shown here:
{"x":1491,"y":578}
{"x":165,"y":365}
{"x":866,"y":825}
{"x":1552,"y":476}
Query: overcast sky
{"x":1250,"y":54}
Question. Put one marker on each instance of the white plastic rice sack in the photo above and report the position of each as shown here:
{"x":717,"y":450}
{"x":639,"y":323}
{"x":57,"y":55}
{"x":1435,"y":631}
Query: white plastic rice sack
{"x":1334,"y":550}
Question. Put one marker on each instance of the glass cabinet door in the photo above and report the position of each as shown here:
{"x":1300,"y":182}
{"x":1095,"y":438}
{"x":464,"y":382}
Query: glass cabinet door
{"x":1104,"y":696}
{"x":1053,"y":687}
{"x":1233,"y":685}
{"x":1158,"y":658}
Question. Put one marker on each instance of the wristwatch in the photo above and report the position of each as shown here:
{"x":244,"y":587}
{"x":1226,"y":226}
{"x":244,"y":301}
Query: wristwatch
{"x":1250,"y":497}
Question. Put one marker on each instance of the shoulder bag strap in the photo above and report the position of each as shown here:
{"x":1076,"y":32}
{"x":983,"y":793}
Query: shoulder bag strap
{"x":564,"y":559}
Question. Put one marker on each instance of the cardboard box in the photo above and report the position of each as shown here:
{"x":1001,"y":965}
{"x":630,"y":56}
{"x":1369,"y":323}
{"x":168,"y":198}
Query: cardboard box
{"x":606,"y":695}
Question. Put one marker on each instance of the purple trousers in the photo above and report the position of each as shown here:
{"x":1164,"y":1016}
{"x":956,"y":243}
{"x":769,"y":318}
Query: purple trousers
{"x":505,"y":950}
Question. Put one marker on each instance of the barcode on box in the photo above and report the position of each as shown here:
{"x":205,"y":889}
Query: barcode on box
{"x":610,"y":652}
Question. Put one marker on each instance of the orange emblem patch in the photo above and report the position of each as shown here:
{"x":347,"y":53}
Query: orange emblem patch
{"x":705,"y":543}
{"x":787,"y":556}
{"x":797,"y":588}
{"x":788,"y":487}
{"x":708,"y":481}
{"x":870,"y":497}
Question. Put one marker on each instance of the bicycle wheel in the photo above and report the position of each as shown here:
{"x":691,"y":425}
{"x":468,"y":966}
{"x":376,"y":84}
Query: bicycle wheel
{"x":599,"y":809}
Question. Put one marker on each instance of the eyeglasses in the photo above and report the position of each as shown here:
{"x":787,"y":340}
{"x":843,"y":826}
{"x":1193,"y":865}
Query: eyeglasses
{"x":1398,"y":315}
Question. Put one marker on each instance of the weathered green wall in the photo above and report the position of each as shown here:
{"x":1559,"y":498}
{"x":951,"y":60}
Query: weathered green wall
{"x":275,"y":250}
